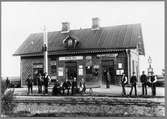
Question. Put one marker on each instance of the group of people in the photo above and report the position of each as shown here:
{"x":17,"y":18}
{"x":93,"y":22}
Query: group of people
{"x":68,"y":87}
{"x":145,"y":80}
{"x":42,"y":81}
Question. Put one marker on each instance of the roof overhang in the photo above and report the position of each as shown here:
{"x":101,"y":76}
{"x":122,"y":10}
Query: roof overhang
{"x":73,"y":52}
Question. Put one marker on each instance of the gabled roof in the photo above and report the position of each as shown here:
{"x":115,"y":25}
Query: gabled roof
{"x":114,"y":37}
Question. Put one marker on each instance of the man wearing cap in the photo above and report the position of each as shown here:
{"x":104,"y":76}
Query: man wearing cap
{"x":133,"y":81}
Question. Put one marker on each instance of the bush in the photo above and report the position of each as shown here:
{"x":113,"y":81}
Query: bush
{"x":3,"y":86}
{"x":7,"y":97}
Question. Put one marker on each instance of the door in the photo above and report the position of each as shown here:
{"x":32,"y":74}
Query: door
{"x":36,"y":71}
{"x":108,"y":66}
{"x":71,"y":70}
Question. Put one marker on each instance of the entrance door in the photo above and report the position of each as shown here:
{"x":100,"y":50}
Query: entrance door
{"x":36,"y":71}
{"x":71,"y":70}
{"x":108,"y":66}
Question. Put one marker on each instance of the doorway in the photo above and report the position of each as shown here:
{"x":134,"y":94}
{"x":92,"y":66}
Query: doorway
{"x":108,"y":66}
{"x":71,"y":70}
{"x":36,"y":71}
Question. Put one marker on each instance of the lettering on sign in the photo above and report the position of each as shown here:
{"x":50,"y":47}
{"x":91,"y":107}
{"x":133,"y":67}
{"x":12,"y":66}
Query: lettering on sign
{"x":52,"y":62}
{"x":119,"y":72}
{"x":71,"y":58}
{"x":88,"y":57}
{"x":37,"y":66}
{"x":119,"y":65}
{"x":107,"y":55}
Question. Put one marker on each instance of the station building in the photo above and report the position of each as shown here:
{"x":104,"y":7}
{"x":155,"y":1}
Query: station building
{"x":84,"y":53}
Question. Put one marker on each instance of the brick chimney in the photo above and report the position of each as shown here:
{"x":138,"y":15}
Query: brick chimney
{"x":95,"y":23}
{"x":65,"y":27}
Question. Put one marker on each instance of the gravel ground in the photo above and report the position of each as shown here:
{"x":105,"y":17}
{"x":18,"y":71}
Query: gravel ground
{"x":102,"y":102}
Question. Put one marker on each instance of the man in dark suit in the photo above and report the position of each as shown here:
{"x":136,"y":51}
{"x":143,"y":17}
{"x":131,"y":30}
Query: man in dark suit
{"x":74,"y":86}
{"x":133,"y":81}
{"x":39,"y":81}
{"x":29,"y":84}
{"x":7,"y":83}
{"x":143,"y":80}
{"x":46,"y":81}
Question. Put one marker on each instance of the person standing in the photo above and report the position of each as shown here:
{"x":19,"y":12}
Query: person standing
{"x":46,"y":81}
{"x":153,"y":80}
{"x":39,"y":83}
{"x":74,"y":86}
{"x":29,"y":84}
{"x":133,"y":81}
{"x":7,"y":82}
{"x":124,"y":81}
{"x":105,"y":77}
{"x":143,"y":80}
{"x":82,"y":86}
{"x":108,"y":79}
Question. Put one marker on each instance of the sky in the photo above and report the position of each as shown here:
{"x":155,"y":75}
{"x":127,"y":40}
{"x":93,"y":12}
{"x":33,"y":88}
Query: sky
{"x":20,"y":19}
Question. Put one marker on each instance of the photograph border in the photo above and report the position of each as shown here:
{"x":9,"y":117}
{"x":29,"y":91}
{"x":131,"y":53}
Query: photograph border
{"x":165,"y":65}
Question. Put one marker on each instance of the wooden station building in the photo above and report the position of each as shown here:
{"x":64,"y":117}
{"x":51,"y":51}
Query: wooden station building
{"x":84,"y":53}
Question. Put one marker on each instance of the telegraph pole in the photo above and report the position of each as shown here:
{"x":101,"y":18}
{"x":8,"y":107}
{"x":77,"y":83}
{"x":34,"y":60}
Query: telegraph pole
{"x":45,"y":49}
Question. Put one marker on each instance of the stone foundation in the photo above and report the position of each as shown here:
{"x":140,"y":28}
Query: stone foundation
{"x":90,"y":106}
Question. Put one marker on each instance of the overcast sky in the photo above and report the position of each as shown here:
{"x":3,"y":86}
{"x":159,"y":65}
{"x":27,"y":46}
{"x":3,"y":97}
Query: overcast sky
{"x":20,"y":19}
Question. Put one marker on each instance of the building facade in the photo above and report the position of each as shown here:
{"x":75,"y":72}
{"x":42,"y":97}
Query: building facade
{"x":84,"y":53}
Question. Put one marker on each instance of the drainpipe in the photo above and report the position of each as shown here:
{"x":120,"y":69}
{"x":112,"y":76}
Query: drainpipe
{"x":129,"y":66}
{"x":21,"y":79}
{"x":45,"y":47}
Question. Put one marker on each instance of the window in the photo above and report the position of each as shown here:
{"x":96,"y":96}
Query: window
{"x":53,"y":69}
{"x":89,"y":70}
{"x":60,"y":71}
{"x":80,"y":70}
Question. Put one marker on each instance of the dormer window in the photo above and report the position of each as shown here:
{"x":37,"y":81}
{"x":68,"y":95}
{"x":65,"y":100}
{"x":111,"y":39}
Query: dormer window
{"x":70,"y":42}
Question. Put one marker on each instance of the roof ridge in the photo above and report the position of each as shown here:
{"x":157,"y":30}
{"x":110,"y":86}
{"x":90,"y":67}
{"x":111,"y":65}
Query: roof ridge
{"x":90,"y":28}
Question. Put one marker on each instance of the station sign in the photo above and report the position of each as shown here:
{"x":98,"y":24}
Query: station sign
{"x":37,"y":65}
{"x":107,"y":55}
{"x":70,"y":58}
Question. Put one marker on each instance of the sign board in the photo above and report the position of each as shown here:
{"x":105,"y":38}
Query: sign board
{"x":150,"y":69}
{"x":119,"y":72}
{"x":71,"y":58}
{"x":80,"y":70}
{"x":52,"y":62}
{"x":88,"y":57}
{"x":53,"y":77}
{"x":96,"y":67}
{"x":119,"y":65}
{"x":107,"y":55}
{"x":37,"y":65}
{"x":60,"y":71}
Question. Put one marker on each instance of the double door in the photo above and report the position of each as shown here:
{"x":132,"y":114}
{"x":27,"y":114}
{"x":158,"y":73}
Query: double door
{"x":108,"y":66}
{"x":71,"y":70}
